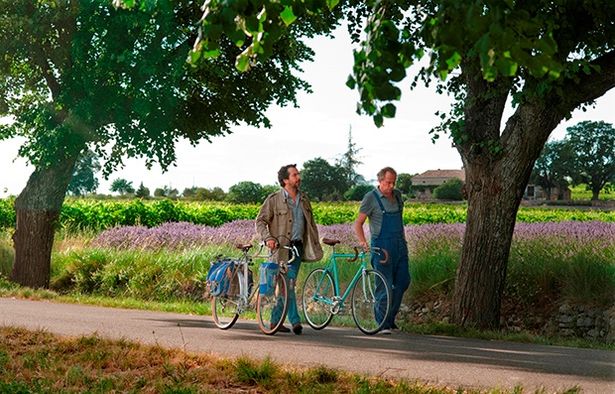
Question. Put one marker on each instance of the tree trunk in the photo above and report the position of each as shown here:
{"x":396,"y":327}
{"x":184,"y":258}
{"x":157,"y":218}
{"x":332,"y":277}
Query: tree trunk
{"x":498,"y":167}
{"x":492,"y":207}
{"x":37,"y":209}
{"x":595,"y":194}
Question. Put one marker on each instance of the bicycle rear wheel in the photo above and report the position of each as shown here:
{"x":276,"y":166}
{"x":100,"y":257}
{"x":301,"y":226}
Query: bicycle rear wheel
{"x":225,"y":308}
{"x":371,"y":299}
{"x":271,"y":308}
{"x":316,"y":298}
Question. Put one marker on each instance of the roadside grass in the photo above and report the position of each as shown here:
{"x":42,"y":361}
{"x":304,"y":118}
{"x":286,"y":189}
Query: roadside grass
{"x":37,"y":361}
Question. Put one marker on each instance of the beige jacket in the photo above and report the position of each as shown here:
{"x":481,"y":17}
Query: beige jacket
{"x":275,"y":220}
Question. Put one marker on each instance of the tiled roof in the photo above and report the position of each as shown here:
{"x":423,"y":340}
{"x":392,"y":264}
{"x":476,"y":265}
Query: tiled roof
{"x":442,"y":174}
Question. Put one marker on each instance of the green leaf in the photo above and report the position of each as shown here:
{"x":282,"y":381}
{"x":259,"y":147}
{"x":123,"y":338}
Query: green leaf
{"x":242,"y":63}
{"x":507,"y":67}
{"x":332,"y":3}
{"x":350,"y":82}
{"x":211,"y":54}
{"x":453,"y":60}
{"x":388,"y":111}
{"x":288,"y":16}
{"x":194,"y":57}
{"x":378,"y":120}
{"x":252,"y":24}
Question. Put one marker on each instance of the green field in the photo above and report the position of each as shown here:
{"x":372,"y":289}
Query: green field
{"x":96,"y":215}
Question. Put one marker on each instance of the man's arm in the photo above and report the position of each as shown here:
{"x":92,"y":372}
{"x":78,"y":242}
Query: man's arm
{"x":358,"y":229}
{"x":264,"y":218}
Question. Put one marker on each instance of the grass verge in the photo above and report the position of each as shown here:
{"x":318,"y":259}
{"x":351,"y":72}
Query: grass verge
{"x":36,"y":361}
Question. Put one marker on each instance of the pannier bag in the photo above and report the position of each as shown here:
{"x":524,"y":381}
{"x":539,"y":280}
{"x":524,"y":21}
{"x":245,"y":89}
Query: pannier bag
{"x":219,"y":277}
{"x":267,"y":274}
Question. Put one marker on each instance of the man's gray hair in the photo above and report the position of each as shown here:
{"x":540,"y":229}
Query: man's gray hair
{"x":384,"y":171}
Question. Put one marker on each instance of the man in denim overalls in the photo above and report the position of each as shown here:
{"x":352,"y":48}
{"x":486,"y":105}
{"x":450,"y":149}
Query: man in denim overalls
{"x":384,"y":208}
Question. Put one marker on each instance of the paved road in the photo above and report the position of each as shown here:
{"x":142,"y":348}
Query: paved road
{"x":455,"y":362}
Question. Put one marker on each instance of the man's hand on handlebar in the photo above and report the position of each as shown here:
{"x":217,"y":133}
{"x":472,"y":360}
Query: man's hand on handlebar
{"x":272,"y":244}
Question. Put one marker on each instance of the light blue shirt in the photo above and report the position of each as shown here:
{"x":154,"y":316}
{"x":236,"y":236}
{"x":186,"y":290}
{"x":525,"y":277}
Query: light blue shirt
{"x":298,"y":219}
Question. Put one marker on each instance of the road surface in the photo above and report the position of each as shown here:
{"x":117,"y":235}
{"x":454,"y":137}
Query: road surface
{"x":439,"y":360}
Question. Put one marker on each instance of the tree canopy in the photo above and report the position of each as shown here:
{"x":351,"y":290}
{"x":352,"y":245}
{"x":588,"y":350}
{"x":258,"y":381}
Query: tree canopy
{"x":84,"y":74}
{"x":83,"y":71}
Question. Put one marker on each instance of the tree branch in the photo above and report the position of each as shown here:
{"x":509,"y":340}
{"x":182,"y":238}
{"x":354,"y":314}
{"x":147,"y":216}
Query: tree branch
{"x":589,"y":87}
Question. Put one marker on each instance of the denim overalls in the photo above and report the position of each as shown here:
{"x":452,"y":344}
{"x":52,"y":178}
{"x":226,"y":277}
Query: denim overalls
{"x":396,"y":270}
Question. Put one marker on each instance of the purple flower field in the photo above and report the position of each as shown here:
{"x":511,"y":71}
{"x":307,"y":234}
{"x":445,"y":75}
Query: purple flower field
{"x":421,"y":238}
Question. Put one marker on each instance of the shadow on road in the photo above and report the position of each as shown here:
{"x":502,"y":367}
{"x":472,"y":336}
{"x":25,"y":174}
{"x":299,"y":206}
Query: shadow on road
{"x":526,"y":357}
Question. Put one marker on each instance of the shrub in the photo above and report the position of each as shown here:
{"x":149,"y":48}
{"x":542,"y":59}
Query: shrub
{"x":449,"y":190}
{"x":357,"y":192}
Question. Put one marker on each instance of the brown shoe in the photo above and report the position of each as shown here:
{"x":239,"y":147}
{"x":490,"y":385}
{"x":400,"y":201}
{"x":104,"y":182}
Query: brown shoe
{"x":283,"y":329}
{"x":297,"y":329}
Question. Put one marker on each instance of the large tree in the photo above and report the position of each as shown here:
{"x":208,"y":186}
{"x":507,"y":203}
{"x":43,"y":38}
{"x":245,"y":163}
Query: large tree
{"x":547,"y":57}
{"x":593,"y":147}
{"x":78,"y":74}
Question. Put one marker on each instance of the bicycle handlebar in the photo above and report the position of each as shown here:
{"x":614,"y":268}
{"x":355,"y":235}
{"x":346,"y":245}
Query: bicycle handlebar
{"x":380,"y":251}
{"x":293,"y":251}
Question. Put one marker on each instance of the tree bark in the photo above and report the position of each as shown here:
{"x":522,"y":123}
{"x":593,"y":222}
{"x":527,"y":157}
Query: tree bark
{"x":493,"y":202}
{"x":37,"y":209}
{"x":498,"y":166}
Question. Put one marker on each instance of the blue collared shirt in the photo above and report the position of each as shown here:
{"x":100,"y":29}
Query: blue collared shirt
{"x":298,"y":218}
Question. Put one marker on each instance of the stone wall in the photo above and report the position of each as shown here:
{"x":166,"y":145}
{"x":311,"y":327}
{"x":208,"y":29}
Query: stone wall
{"x":569,"y":320}
{"x":586,"y":322}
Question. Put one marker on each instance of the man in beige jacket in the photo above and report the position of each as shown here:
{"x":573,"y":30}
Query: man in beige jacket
{"x":285,"y":218}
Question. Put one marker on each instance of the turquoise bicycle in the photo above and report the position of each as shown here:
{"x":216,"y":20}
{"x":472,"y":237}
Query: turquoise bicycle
{"x":370,"y":295}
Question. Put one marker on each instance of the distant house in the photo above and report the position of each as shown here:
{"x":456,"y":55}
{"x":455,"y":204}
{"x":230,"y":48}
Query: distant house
{"x":535,"y":192}
{"x":424,"y":184}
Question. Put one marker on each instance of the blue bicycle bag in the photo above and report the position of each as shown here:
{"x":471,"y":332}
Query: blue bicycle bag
{"x":219,"y":277}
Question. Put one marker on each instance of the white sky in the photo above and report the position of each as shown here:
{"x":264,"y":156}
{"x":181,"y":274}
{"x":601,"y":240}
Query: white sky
{"x":319,"y":127}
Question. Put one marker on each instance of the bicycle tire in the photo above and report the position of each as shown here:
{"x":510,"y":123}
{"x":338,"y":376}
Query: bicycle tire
{"x":225,"y":309}
{"x":371,"y":302}
{"x":317,"y":312}
{"x":271,"y":309}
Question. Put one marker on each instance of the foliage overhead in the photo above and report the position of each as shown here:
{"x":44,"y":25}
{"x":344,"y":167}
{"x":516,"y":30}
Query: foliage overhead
{"x":77,"y":72}
{"x":525,"y":48}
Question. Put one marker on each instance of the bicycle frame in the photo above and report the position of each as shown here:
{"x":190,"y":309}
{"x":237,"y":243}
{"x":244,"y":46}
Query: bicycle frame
{"x":338,"y":300}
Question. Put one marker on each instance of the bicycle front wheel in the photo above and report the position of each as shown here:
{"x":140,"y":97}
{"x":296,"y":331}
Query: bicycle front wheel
{"x":225,"y":308}
{"x":371,"y":299}
{"x":272,"y":307}
{"x":317,"y":297}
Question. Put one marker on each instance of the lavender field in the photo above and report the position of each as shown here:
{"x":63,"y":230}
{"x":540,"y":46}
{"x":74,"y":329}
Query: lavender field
{"x":571,"y":260}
